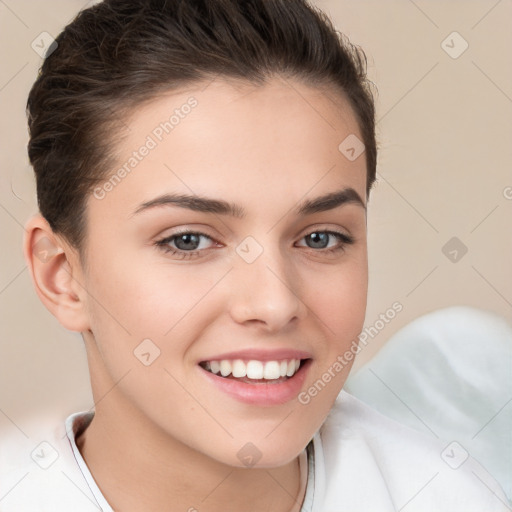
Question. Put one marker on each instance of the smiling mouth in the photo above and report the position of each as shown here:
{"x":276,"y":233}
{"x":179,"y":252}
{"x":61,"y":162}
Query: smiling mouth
{"x":254,"y":371}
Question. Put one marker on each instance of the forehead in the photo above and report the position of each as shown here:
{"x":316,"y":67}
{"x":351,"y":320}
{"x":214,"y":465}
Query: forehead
{"x":237,"y":140}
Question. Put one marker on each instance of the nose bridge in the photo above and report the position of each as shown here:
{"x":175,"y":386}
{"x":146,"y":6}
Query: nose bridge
{"x":264,"y":287}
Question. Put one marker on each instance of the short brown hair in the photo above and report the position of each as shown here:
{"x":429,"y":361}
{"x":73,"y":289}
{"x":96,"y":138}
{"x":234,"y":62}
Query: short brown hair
{"x":118,"y":54}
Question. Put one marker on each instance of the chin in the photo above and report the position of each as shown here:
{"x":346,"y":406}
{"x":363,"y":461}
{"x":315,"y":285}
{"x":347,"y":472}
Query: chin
{"x":261,"y":454}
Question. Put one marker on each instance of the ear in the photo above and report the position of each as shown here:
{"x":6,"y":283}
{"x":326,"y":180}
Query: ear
{"x":56,"y":274}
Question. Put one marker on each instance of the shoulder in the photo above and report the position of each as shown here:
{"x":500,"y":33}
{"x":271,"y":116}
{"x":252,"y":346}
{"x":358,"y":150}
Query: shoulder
{"x":38,"y":470}
{"x":370,"y":461}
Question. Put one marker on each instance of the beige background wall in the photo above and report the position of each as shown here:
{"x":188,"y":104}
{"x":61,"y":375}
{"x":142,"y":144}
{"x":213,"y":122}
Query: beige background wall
{"x":445,"y":133}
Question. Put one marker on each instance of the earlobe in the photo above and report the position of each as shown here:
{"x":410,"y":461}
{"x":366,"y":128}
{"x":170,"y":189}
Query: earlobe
{"x":54,"y":274}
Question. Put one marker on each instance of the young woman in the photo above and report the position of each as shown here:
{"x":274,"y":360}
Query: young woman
{"x":203,"y":170}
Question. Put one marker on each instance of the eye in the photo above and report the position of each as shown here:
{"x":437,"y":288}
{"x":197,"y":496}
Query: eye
{"x":320,"y":240}
{"x":189,"y":244}
{"x":186,"y":243}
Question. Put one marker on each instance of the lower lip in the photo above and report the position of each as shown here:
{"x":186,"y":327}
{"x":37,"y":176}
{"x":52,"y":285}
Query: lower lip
{"x":277,"y":393}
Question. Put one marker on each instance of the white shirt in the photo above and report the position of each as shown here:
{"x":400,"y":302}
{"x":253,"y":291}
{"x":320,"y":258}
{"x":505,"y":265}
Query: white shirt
{"x":359,"y":461}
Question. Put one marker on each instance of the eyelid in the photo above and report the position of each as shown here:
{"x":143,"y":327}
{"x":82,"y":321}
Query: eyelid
{"x":309,"y":231}
{"x":323,"y":228}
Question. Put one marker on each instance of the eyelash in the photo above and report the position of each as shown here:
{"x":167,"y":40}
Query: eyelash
{"x":164,"y":243}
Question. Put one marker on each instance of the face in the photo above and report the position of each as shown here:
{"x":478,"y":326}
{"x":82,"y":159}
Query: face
{"x":212,"y":257}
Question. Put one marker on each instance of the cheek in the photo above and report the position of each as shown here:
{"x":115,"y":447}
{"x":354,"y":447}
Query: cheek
{"x":338,"y":299}
{"x":338,"y":296}
{"x":148,"y":299}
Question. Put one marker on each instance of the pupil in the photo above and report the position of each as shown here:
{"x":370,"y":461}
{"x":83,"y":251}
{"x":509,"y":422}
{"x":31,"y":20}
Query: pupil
{"x":188,"y":239}
{"x":319,"y":238}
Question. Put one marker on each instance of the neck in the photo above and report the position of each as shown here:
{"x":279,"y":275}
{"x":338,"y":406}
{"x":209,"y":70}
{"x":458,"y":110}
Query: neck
{"x":139,"y":467}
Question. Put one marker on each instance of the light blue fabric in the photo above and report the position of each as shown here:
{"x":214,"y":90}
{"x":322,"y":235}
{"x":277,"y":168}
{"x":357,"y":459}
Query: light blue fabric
{"x":449,"y":374}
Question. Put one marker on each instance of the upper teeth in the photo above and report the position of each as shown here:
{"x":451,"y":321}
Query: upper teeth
{"x":254,"y":369}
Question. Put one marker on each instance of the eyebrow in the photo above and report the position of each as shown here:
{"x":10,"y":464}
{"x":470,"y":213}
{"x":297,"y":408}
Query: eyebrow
{"x":218,"y":206}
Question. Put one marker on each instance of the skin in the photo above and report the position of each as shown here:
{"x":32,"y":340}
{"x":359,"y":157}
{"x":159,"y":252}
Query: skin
{"x":162,"y":433}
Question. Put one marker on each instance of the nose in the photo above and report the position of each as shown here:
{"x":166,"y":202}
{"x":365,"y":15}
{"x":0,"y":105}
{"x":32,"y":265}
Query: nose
{"x":266,"y":292}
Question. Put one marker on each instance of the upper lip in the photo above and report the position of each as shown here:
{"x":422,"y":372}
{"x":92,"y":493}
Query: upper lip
{"x":259,"y":354}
